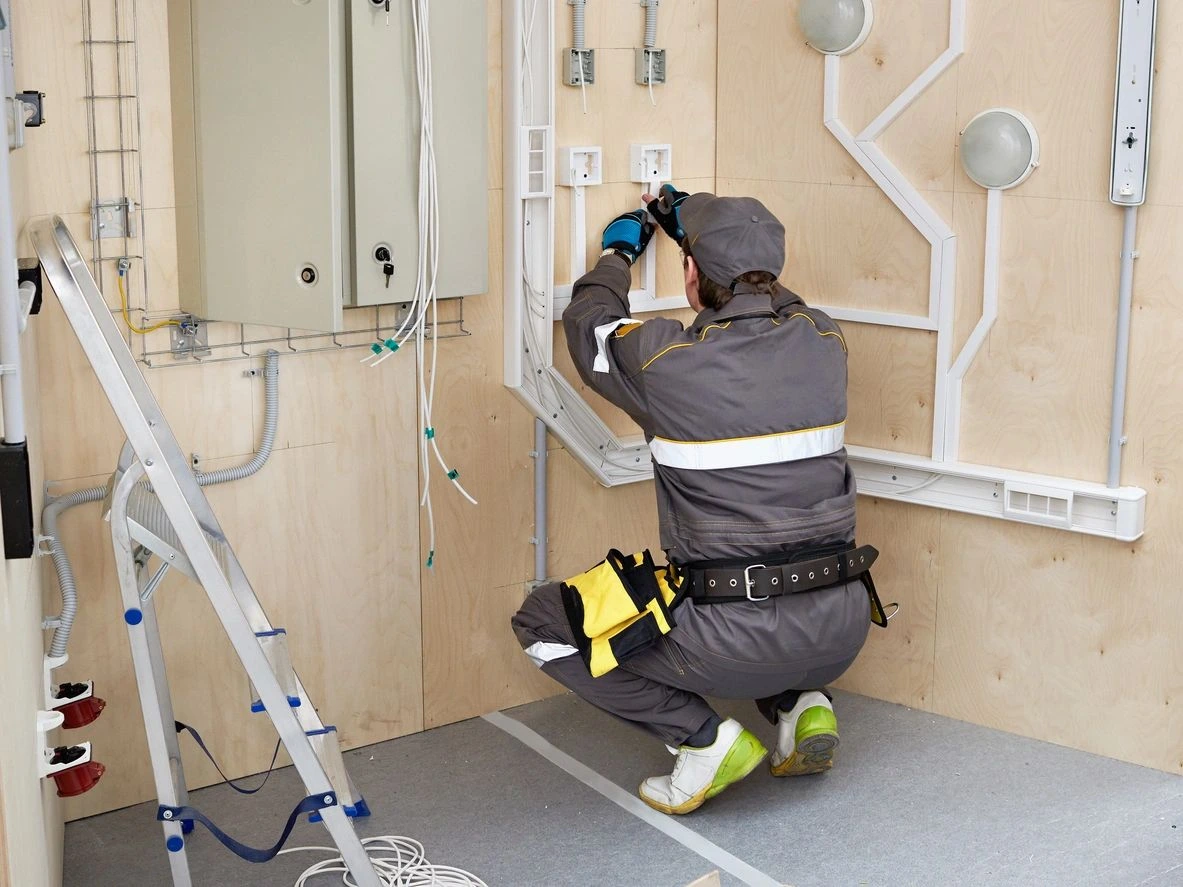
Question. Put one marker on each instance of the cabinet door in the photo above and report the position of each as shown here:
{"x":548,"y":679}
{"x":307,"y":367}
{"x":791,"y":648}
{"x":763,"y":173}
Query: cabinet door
{"x":385,"y":147}
{"x":269,"y":214}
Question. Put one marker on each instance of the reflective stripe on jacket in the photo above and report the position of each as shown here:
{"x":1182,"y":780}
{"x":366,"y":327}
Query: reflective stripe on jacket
{"x":744,"y":412}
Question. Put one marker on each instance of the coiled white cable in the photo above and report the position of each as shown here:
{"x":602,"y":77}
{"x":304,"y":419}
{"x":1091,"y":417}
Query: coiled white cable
{"x":399,"y":862}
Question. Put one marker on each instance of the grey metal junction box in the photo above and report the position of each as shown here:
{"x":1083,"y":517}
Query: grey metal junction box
{"x":296,"y":153}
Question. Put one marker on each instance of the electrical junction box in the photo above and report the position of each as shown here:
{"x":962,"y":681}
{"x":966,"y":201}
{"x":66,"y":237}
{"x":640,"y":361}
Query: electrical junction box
{"x":581,"y":166}
{"x":296,"y":156}
{"x":1131,"y":113}
{"x":650,"y":163}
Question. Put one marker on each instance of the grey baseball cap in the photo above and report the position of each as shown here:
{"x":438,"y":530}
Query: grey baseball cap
{"x":729,"y":236}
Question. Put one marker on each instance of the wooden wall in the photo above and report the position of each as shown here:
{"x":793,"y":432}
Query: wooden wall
{"x":1048,"y":634}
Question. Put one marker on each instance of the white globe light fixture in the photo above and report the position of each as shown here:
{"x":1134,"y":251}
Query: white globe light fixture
{"x":835,"y":27}
{"x":999,"y":148}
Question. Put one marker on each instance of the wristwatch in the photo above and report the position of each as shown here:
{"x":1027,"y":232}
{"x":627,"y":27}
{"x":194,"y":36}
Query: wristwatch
{"x":624,"y":255}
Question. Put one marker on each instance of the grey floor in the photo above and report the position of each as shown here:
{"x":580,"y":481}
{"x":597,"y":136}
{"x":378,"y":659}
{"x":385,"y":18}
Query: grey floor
{"x":913,"y":800}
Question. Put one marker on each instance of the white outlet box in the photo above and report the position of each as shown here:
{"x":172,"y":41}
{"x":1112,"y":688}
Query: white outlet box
{"x":651,"y":163}
{"x":581,"y":166}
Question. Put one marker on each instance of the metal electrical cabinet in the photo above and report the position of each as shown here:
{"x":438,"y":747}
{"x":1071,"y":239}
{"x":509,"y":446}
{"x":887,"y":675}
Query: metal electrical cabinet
{"x":296,"y":146}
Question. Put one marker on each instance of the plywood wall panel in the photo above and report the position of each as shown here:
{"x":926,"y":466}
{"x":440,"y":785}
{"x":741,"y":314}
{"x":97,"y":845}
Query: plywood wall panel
{"x":898,"y":663}
{"x":620,"y":112}
{"x":1038,"y":397}
{"x":882,"y":263}
{"x":472,"y":663}
{"x":54,"y":167}
{"x":770,"y":112}
{"x":587,"y":519}
{"x":343,"y":582}
{"x":1041,"y":633}
{"x":890,"y":390}
{"x":1054,"y":61}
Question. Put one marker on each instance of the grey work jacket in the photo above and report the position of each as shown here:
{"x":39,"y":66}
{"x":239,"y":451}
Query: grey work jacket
{"x":762,"y":371}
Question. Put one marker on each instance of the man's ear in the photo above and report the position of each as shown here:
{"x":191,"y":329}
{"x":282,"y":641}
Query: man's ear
{"x":691,"y":271}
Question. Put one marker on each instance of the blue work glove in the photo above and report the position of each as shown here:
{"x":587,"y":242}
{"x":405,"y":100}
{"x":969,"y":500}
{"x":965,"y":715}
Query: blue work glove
{"x":630,"y":233}
{"x":665,"y":212}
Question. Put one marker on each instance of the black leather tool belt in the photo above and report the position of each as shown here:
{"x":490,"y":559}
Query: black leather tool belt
{"x":758,"y":581}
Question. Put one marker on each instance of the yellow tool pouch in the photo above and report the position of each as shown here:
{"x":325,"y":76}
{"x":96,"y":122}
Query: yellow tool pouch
{"x":619,"y":608}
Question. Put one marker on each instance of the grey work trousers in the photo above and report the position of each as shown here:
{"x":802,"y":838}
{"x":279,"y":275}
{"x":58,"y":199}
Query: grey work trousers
{"x":742,"y":650}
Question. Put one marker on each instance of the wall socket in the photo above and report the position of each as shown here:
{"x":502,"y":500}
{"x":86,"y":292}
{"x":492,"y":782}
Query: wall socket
{"x":581,"y":166}
{"x":650,"y":163}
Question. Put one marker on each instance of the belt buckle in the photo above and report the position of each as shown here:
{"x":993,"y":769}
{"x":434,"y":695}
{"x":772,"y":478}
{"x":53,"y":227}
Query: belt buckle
{"x":749,"y":582}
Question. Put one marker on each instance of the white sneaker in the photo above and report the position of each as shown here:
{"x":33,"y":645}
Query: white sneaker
{"x":807,"y":737}
{"x":701,"y":773}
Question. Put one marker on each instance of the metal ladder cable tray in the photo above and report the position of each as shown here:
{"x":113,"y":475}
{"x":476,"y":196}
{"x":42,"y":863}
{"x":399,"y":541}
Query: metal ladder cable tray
{"x":173,"y":521}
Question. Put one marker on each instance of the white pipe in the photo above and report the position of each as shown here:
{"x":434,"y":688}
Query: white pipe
{"x":11,"y":387}
{"x":977,"y":338}
{"x":540,"y":501}
{"x":1121,"y":358}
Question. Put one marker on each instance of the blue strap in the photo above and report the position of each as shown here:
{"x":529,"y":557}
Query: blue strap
{"x":250,"y":854}
{"x":185,"y":728}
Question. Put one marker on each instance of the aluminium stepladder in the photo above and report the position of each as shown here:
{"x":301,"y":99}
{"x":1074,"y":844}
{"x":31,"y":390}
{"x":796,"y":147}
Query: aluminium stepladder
{"x":173,"y":521}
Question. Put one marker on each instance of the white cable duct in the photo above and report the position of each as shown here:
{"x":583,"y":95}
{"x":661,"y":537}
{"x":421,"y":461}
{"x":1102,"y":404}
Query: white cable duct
{"x":977,"y":338}
{"x":56,"y":507}
{"x":11,"y":386}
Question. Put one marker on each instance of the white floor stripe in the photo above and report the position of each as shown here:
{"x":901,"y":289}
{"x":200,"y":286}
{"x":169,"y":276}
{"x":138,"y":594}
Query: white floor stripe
{"x":692,"y":840}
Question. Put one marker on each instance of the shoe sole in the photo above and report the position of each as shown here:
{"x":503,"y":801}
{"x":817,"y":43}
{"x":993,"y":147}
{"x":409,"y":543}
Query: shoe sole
{"x":813,"y":754}
{"x":744,"y":756}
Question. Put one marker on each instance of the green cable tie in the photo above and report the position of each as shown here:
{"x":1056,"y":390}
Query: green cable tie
{"x":453,"y":474}
{"x":392,"y":345}
{"x":429,"y":432}
{"x":430,"y":558}
{"x":376,"y":348}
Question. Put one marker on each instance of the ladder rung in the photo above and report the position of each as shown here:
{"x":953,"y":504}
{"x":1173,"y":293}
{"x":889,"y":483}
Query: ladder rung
{"x":275,"y":647}
{"x":327,"y":747}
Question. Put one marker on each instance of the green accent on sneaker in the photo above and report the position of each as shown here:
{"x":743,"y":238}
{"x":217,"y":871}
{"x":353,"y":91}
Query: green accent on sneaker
{"x":742,"y":758}
{"x":814,"y":722}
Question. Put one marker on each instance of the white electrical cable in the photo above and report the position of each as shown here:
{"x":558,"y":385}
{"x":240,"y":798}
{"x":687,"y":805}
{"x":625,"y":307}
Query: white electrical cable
{"x":426,"y":296}
{"x":398,"y":861}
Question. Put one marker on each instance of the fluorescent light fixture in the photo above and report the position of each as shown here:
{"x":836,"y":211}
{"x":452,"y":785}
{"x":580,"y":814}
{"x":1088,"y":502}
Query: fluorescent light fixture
{"x":999,"y":148}
{"x":835,"y":27}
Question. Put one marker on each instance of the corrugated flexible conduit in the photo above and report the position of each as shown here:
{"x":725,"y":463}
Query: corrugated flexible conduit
{"x":54,"y":509}
{"x":579,"y":26}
